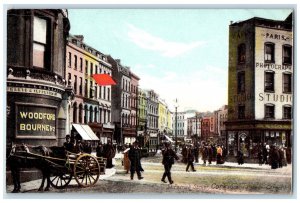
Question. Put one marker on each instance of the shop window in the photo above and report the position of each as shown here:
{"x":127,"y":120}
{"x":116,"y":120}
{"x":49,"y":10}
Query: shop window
{"x":241,"y":82}
{"x":287,"y":112}
{"x":269,"y":52}
{"x":269,"y":111}
{"x":40,"y":42}
{"x":287,"y":54}
{"x":287,"y":82}
{"x":269,"y":81}
{"x":241,"y":112}
{"x":242,"y":53}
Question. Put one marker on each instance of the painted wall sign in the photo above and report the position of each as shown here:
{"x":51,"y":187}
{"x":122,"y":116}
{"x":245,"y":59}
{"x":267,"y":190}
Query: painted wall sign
{"x":272,"y":97}
{"x":33,"y":91}
{"x":272,"y":66}
{"x":35,"y":120}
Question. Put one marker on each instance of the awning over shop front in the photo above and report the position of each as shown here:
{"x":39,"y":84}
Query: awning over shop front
{"x":85,"y":132}
{"x":169,"y":139}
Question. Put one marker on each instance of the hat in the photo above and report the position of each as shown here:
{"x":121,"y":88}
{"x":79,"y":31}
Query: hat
{"x":68,"y":136}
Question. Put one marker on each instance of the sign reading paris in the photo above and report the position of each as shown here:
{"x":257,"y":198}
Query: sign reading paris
{"x":35,"y":120}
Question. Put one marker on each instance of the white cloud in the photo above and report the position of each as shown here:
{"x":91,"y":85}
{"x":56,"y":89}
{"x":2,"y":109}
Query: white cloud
{"x":166,"y":48}
{"x":203,"y":90}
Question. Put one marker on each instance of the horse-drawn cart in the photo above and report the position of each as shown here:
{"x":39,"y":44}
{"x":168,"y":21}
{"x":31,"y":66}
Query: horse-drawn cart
{"x":85,"y":168}
{"x":58,"y":166}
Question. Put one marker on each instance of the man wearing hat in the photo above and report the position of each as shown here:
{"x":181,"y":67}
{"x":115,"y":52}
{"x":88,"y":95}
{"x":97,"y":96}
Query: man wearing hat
{"x":69,"y":146}
{"x":168,"y":160}
{"x":134,"y":155}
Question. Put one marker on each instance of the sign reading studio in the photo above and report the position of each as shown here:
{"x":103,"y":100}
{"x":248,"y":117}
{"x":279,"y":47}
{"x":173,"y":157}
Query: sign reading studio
{"x":37,"y":121}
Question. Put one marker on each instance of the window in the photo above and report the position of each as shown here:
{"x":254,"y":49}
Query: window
{"x":92,"y":67}
{"x":287,"y":82}
{"x":104,"y":92}
{"x":75,"y":84}
{"x":86,"y":66}
{"x":81,"y":64}
{"x":80,"y":85}
{"x":269,"y":111}
{"x":269,"y":81}
{"x":241,"y":53}
{"x":287,"y":54}
{"x":91,"y":91}
{"x":86,"y":88}
{"x":108,"y":94}
{"x":75,"y":62}
{"x":241,"y":82}
{"x":69,"y":79}
{"x":241,"y":112}
{"x":39,"y":42}
{"x":287,"y":112}
{"x":70,"y":60}
{"x":269,"y":52}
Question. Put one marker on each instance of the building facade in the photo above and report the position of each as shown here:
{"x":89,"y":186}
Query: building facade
{"x":37,"y":96}
{"x":92,"y":103}
{"x":124,"y":132}
{"x":260,"y":85}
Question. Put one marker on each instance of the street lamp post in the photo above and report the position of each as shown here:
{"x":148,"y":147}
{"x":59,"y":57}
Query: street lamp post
{"x":176,"y":105}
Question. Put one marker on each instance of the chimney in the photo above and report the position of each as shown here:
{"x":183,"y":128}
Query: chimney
{"x":79,"y":37}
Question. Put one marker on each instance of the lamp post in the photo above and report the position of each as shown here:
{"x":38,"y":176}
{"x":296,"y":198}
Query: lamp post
{"x":176,"y":106}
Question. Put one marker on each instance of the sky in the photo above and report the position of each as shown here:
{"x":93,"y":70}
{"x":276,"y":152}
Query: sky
{"x":179,"y":53}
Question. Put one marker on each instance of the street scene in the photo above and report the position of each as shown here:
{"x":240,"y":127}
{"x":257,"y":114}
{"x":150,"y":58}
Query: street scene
{"x":150,"y":101}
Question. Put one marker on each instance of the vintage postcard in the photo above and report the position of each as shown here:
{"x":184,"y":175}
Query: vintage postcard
{"x":188,"y":101}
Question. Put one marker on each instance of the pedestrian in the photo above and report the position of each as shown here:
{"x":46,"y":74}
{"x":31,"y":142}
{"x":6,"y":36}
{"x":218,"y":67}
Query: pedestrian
{"x":126,"y":161}
{"x":134,"y":155}
{"x":265,"y":154}
{"x":109,"y":153}
{"x":219,"y":155}
{"x":78,"y":147}
{"x":99,"y":150}
{"x":273,"y":157}
{"x":210,"y":153}
{"x":196,"y":152}
{"x":260,"y":156}
{"x":240,"y":157}
{"x":87,"y":147}
{"x":184,"y":153}
{"x":68,"y":145}
{"x":204,"y":154}
{"x":190,"y":159}
{"x":168,"y":160}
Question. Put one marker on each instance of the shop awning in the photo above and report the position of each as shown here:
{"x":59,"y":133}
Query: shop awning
{"x":169,"y":139}
{"x":85,"y":132}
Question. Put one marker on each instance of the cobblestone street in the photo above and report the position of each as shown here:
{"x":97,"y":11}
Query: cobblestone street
{"x":213,"y":179}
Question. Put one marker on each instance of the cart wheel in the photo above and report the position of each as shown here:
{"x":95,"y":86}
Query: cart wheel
{"x":60,"y":181}
{"x":86,"y":170}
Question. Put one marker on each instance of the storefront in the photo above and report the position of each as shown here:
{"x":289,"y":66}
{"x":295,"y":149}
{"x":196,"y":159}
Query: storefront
{"x":248,"y":138}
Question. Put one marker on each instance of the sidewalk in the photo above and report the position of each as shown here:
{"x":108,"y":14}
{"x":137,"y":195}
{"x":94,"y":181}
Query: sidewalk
{"x":35,"y":184}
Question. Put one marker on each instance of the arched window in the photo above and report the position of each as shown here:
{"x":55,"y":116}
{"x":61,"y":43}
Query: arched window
{"x":86,"y":111}
{"x":91,"y":114}
{"x":75,"y":112}
{"x":96,"y":115}
{"x":80,"y":114}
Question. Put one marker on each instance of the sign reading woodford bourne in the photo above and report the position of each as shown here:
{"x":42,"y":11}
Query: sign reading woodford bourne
{"x":33,"y":120}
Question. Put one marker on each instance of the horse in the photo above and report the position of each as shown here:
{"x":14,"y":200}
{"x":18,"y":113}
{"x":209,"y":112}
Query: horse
{"x":24,"y":156}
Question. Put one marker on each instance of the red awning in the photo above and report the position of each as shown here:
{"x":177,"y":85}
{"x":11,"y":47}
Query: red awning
{"x":103,"y":79}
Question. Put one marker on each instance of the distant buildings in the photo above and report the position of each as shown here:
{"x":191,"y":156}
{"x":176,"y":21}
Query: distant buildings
{"x":260,"y":85}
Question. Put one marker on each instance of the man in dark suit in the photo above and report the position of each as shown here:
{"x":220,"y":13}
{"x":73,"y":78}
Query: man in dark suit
{"x":134,"y":155}
{"x":168,"y":160}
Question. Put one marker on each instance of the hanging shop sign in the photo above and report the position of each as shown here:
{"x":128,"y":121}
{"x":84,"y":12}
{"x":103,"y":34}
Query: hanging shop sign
{"x":38,"y":121}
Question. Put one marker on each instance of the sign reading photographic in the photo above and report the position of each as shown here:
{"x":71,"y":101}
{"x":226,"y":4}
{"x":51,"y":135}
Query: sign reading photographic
{"x":35,"y":121}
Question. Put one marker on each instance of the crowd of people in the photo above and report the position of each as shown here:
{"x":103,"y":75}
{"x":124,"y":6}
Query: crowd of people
{"x":273,"y":155}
